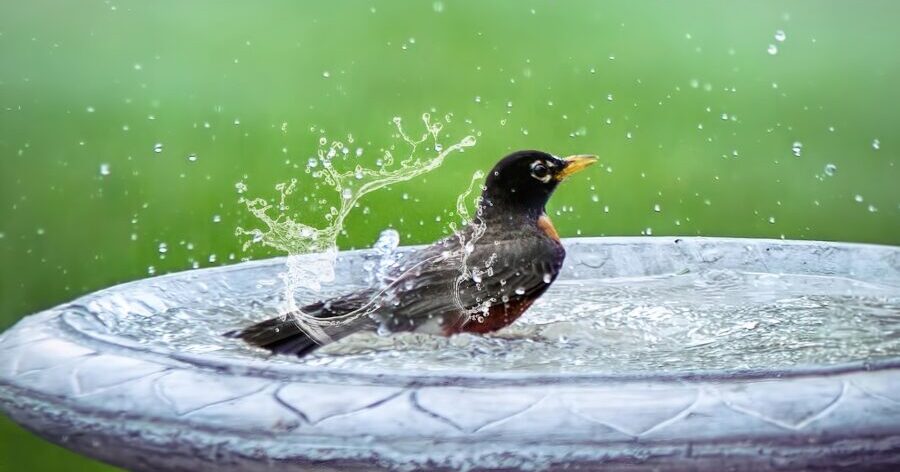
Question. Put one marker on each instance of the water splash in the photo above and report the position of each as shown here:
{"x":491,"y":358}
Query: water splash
{"x":467,"y":246}
{"x":280,"y":231}
{"x":385,"y":256}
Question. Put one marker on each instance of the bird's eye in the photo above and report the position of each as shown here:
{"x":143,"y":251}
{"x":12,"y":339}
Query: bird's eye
{"x":540,"y":171}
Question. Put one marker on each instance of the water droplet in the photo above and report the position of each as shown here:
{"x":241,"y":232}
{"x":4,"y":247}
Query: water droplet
{"x":151,"y":270}
{"x":90,"y":109}
{"x":830,"y":169}
{"x":520,"y":291}
{"x":163,"y":248}
{"x":359,"y":152}
{"x":724,"y":116}
{"x":858,"y":198}
{"x":656,"y":208}
{"x":212,"y":258}
{"x":547,"y":278}
{"x":104,"y":169}
{"x":217,"y":218}
{"x":876,"y":144}
{"x":312,"y":162}
{"x":609,"y":97}
{"x":872,"y":209}
{"x":780,"y":36}
{"x":192,"y":157}
{"x":347,"y":193}
{"x":157,"y":148}
{"x":326,"y":74}
{"x":595,"y":198}
{"x":796,"y":148}
{"x":241,"y":187}
{"x":582,"y":131}
{"x":772,"y":50}
{"x":771,"y":220}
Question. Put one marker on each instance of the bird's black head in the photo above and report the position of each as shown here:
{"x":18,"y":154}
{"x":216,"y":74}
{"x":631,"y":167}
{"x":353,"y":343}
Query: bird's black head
{"x":523,"y":181}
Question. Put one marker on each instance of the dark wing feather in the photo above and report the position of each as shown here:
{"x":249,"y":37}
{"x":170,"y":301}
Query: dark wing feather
{"x":432,"y":285}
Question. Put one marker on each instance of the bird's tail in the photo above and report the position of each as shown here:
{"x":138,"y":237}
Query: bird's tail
{"x":283,"y":334}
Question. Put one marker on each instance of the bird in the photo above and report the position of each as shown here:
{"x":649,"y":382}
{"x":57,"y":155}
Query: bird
{"x":477,"y":280}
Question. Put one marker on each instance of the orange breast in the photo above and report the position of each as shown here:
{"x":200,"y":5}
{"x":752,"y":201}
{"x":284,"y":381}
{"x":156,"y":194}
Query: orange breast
{"x":546,"y":226}
{"x":499,"y":316}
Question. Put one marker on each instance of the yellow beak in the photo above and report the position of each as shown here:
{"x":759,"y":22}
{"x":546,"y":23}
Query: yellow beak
{"x":576,"y":163}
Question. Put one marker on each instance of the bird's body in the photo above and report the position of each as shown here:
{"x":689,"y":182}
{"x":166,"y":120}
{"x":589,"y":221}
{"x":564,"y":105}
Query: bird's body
{"x":477,"y":280}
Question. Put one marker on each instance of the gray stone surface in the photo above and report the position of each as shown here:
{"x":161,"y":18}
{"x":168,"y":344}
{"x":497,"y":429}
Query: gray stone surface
{"x":145,"y":409}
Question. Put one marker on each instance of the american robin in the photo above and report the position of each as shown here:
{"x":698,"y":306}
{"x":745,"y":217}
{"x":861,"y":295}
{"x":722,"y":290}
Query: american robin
{"x":477,"y":280}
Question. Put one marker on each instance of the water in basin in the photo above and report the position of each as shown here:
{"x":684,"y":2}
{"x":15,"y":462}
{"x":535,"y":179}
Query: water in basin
{"x":715,"y":319}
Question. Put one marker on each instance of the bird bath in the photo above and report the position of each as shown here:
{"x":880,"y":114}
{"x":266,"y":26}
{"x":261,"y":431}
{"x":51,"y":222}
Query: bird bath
{"x":687,"y":353}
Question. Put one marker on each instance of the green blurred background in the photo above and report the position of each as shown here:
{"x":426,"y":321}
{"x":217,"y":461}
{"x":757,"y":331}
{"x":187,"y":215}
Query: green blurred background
{"x":694,"y":106}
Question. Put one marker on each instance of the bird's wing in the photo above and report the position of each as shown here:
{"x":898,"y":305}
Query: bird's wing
{"x":446,"y":281}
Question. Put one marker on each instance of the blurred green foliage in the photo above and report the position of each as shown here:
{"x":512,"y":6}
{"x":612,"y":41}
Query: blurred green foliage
{"x":682,"y":101}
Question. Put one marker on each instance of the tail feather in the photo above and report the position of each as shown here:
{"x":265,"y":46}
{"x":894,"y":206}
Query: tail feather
{"x":283,"y":335}
{"x":280,"y":335}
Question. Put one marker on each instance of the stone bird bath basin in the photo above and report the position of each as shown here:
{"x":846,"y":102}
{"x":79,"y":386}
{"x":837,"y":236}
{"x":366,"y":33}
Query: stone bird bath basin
{"x":104,"y":376}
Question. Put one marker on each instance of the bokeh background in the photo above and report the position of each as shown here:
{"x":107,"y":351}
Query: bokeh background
{"x":127,"y":124}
